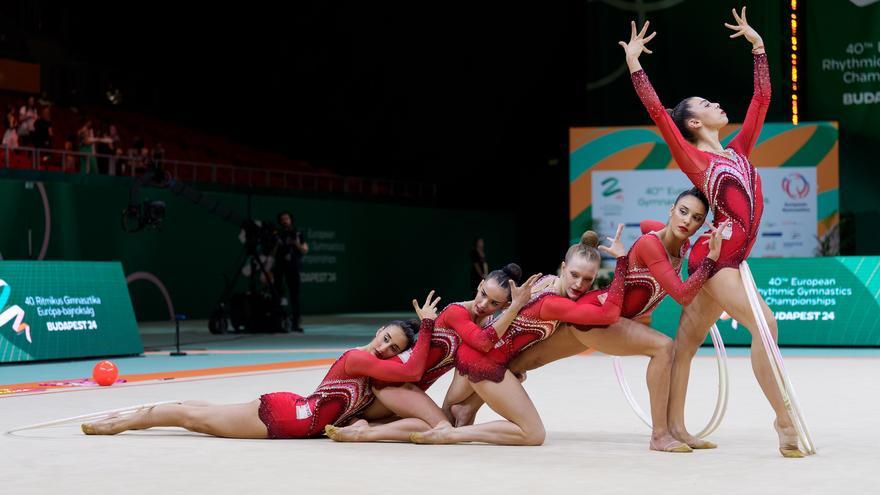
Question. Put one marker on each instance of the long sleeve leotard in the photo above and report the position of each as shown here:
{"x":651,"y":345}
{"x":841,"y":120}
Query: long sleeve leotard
{"x":452,"y":326}
{"x":344,"y":391}
{"x":536,"y":321}
{"x":729,"y":181}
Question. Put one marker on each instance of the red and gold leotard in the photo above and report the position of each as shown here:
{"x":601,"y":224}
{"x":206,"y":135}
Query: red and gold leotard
{"x":536,"y":321}
{"x":453,"y":326}
{"x":730,"y":181}
{"x":344,"y":391}
{"x":652,"y":274}
{"x":452,"y":323}
{"x":456,"y":327}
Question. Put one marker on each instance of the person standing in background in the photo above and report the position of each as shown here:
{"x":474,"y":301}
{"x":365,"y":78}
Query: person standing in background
{"x":103,"y":148}
{"x":86,"y":138}
{"x":290,"y":250}
{"x":479,"y":266}
{"x":10,"y":137}
{"x":27,"y":117}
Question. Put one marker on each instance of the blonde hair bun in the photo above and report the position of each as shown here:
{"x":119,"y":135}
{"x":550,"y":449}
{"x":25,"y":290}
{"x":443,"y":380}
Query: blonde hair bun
{"x":590,"y":238}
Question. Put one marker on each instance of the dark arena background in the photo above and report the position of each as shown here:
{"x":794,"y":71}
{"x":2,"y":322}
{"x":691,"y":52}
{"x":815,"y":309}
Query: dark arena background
{"x":203,"y":205}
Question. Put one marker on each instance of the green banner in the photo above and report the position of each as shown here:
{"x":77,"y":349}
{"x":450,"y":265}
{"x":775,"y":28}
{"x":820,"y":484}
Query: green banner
{"x":843,"y":63}
{"x":60,"y":310}
{"x":817,"y":302}
{"x":839,"y":79}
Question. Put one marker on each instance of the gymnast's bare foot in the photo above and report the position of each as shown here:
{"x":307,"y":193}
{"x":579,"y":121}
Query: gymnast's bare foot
{"x":668,"y":443}
{"x":692,"y":441}
{"x":109,"y":426}
{"x":788,"y":440}
{"x":351,"y":433}
{"x":440,"y":435}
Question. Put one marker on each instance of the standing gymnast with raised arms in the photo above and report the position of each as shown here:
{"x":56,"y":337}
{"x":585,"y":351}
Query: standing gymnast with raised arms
{"x":733,"y":187}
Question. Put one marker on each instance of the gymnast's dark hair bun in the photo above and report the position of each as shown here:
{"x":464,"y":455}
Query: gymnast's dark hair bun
{"x":590,"y":239}
{"x":513,"y":271}
{"x":502,"y":277}
{"x":680,"y":115}
{"x":409,"y":327}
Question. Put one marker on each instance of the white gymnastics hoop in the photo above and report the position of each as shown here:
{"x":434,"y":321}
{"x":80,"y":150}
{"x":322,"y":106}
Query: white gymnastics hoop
{"x":723,"y":387}
{"x":783,"y":381}
{"x":95,"y":416}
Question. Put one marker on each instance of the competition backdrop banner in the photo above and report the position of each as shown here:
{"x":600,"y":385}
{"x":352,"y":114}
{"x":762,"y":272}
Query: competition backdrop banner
{"x":842,"y":66}
{"x":65,"y":309}
{"x":626,"y":174}
{"x":830,"y":301}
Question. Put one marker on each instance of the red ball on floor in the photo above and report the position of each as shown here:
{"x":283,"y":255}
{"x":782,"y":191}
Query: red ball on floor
{"x":105,"y":373}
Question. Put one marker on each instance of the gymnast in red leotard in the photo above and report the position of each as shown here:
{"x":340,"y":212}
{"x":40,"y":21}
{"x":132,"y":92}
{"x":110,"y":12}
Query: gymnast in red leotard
{"x":653,"y":272}
{"x":655,"y":259}
{"x":486,"y":373}
{"x":733,"y":187}
{"x":343,"y":393}
{"x":459,"y":323}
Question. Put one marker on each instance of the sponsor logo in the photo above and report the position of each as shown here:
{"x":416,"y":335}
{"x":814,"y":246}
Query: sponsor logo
{"x":610,"y":187}
{"x":796,"y":186}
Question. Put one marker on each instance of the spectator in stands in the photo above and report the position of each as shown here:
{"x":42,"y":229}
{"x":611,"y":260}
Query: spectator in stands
{"x":144,"y":157}
{"x":289,"y":251}
{"x":86,"y":138}
{"x":103,"y":148}
{"x":10,"y":137}
{"x":42,"y":135}
{"x":119,"y":163}
{"x":69,"y":159}
{"x":27,"y":117}
{"x":114,"y":148}
{"x":115,"y":139}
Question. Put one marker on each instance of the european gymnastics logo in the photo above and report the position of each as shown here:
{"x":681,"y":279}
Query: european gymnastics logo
{"x":13,"y":312}
{"x":796,"y":186}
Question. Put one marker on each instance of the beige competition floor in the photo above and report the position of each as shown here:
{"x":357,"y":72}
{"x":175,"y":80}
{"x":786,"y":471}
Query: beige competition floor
{"x":595,"y":443}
